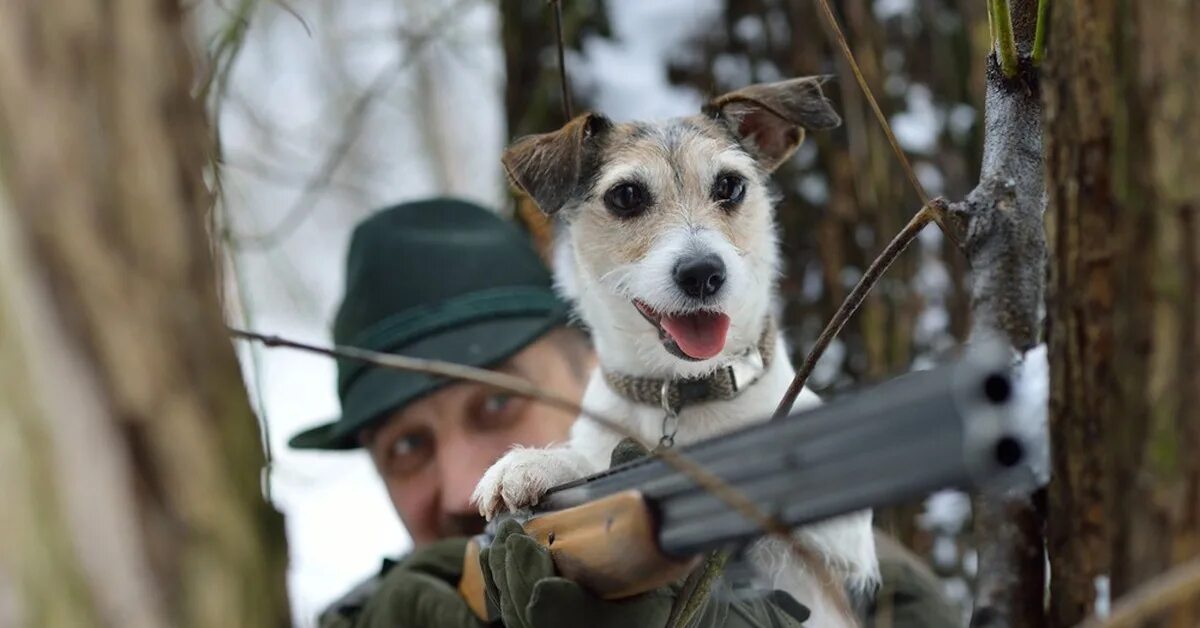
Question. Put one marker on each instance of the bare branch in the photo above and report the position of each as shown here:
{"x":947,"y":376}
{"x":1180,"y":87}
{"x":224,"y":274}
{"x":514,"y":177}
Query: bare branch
{"x":1176,"y":586}
{"x":352,"y":128}
{"x":1039,"y":36}
{"x":1002,"y":36}
{"x":521,"y":386}
{"x":849,"y":306}
{"x":291,"y":10}
{"x":1005,"y":245}
{"x":562,"y":60}
{"x":840,"y":38}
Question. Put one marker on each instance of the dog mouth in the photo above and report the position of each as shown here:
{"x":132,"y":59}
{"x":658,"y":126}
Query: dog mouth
{"x":696,"y":335}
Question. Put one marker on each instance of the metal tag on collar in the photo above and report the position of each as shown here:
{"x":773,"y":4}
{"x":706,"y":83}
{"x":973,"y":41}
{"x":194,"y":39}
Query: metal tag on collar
{"x":746,"y":369}
{"x":670,"y":422}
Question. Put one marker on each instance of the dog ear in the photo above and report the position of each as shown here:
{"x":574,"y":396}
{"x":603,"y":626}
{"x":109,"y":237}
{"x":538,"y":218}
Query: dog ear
{"x":549,"y":167}
{"x":770,"y":118}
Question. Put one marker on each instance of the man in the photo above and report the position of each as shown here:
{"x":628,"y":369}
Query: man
{"x":448,"y":280}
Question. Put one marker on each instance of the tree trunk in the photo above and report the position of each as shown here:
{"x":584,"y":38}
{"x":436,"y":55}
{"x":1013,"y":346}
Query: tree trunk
{"x":1004,"y":241}
{"x":129,"y":457}
{"x":1085,"y":403}
{"x":533,"y":86}
{"x":1125,"y":501}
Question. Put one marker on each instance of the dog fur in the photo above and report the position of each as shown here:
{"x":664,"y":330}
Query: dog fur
{"x":605,"y":261}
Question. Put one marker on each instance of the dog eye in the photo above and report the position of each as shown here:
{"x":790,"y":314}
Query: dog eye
{"x":729,"y":190}
{"x":626,"y":199}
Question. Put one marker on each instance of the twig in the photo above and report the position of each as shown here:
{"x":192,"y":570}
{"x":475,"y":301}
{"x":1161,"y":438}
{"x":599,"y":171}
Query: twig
{"x":520,"y":386}
{"x":927,"y":214}
{"x":228,"y":45}
{"x":562,"y":60}
{"x":1039,"y":34}
{"x":840,"y":37}
{"x":1006,"y":46}
{"x":1152,"y":597}
{"x":353,"y":126}
{"x":290,"y":10}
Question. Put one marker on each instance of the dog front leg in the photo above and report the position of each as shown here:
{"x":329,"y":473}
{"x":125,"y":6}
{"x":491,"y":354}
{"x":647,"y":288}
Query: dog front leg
{"x":520,"y":478}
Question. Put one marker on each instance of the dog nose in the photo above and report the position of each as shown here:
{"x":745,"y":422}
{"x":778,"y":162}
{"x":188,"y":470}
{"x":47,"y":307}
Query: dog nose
{"x":700,"y":276}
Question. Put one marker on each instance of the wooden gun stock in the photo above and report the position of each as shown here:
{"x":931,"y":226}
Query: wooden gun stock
{"x":607,"y":545}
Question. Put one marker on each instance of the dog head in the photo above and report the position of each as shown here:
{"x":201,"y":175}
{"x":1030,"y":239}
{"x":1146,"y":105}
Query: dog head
{"x":669,"y":248}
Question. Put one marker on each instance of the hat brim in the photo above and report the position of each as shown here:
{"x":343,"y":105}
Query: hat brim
{"x":379,"y":392}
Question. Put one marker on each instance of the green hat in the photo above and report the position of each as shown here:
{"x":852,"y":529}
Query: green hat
{"x":442,"y":279}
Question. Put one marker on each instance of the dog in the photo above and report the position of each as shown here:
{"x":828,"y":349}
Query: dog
{"x":668,"y":250}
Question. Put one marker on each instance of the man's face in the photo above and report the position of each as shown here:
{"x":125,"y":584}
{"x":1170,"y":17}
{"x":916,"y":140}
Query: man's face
{"x":431,"y":453}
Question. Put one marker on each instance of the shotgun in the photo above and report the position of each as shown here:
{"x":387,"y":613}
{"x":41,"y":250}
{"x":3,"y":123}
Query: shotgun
{"x":642,"y":525}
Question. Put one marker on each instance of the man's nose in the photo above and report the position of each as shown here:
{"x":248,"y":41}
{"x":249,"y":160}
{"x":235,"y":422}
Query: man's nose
{"x":700,"y":276}
{"x":462,"y":462}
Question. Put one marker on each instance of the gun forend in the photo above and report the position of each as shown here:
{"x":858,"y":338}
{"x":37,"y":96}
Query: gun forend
{"x":608,"y":545}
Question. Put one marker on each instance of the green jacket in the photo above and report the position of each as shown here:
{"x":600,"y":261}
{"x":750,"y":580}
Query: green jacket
{"x":909,"y":597}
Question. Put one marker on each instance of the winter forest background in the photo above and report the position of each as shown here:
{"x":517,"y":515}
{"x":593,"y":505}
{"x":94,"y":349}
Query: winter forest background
{"x":138,"y":138}
{"x":334,"y":110}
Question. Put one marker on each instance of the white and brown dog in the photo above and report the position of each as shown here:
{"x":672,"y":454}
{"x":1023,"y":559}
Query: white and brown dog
{"x":668,"y":250}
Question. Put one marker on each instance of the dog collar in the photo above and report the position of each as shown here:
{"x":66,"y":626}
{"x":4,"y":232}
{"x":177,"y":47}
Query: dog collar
{"x":723,"y":384}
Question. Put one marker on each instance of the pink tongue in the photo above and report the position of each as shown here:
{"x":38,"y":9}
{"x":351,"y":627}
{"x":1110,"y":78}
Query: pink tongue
{"x":700,"y":335}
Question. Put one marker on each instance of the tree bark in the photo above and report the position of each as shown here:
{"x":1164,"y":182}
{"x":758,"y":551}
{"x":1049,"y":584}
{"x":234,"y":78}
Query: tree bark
{"x":129,"y":456}
{"x":1126,"y":343}
{"x":1003,"y":237}
{"x":1085,"y":404}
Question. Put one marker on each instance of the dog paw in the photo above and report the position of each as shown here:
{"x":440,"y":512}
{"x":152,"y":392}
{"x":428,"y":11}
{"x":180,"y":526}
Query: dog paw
{"x":520,"y":478}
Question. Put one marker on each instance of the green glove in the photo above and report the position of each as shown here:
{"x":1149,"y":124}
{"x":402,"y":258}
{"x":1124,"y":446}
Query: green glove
{"x":521,"y":581}
{"x":418,"y":592}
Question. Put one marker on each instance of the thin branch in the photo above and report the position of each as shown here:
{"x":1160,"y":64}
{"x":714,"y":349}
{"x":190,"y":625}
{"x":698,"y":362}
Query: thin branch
{"x":928,"y":213}
{"x":352,"y":126}
{"x":840,"y":37}
{"x":562,"y":61}
{"x":1154,"y":596}
{"x":523,"y":387}
{"x":1006,"y":46}
{"x":290,"y":10}
{"x":991,"y":15}
{"x":225,"y":51}
{"x":1039,"y":35}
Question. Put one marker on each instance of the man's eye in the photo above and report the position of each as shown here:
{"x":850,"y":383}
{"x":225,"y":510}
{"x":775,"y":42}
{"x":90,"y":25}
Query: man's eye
{"x":498,"y":410}
{"x":408,"y":452}
{"x":496,"y":402}
{"x":729,"y":189}
{"x":626,"y":200}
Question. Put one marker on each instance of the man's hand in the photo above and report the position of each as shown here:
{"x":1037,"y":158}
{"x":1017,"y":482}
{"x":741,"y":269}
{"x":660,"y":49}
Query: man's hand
{"x":521,"y":581}
{"x":418,"y":592}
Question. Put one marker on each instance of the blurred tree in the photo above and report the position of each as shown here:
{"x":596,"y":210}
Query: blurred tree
{"x":129,"y":457}
{"x":533,"y":89}
{"x":1125,"y":291}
